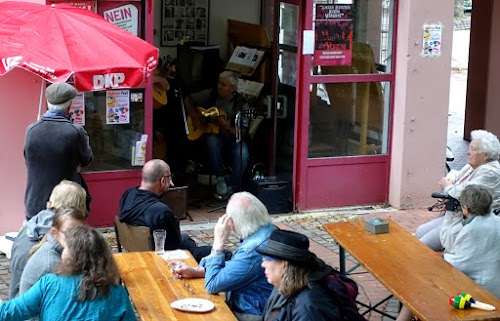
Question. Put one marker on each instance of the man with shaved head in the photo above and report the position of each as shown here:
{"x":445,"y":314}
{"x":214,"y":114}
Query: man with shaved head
{"x":142,"y":206}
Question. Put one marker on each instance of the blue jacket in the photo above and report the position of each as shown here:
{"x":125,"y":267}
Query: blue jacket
{"x":52,"y":298}
{"x":242,"y":277}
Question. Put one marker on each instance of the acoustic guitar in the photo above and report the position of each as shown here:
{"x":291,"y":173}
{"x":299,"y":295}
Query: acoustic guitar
{"x":160,"y":89}
{"x":209,"y":125}
{"x":210,"y":121}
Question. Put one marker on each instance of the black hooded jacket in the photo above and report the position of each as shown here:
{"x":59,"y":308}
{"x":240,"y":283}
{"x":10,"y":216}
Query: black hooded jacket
{"x":143,"y":208}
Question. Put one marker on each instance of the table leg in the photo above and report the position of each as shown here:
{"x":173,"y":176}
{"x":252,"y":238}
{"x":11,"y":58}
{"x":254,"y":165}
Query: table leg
{"x":342,"y":259}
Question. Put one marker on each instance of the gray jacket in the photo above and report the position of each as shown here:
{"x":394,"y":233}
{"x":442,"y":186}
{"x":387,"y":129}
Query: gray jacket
{"x":40,"y":263}
{"x":486,"y":175}
{"x":29,"y":236}
{"x":475,"y":252}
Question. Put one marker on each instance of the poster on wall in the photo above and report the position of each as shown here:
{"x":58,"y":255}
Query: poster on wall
{"x":89,"y":5}
{"x":123,"y":14}
{"x":117,"y":107}
{"x":77,"y":110}
{"x":431,"y":44}
{"x":184,"y":20}
{"x":333,"y":28}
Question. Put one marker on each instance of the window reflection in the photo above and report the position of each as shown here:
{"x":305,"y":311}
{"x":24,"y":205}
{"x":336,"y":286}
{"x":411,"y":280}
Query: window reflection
{"x":348,"y":119}
{"x":368,"y":24}
{"x":111,"y":143}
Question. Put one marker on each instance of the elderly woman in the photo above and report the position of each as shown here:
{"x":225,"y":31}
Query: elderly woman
{"x":297,"y":275}
{"x":482,"y":168}
{"x":475,"y":250}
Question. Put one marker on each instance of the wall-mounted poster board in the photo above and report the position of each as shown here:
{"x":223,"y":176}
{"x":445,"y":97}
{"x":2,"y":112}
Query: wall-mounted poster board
{"x":184,"y":19}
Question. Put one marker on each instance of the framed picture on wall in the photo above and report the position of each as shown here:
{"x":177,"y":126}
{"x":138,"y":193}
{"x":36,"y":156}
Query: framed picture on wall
{"x":184,"y":19}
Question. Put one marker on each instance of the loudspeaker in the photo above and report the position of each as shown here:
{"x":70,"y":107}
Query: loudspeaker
{"x":273,"y":193}
{"x":177,"y":199}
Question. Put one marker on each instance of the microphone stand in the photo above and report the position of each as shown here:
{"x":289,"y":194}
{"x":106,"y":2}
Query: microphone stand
{"x":237,"y":125}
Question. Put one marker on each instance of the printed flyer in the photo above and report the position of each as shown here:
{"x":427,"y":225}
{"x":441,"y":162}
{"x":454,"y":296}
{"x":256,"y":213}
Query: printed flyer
{"x":431,"y":44}
{"x":77,"y":110}
{"x":333,"y":35}
{"x":117,"y":107}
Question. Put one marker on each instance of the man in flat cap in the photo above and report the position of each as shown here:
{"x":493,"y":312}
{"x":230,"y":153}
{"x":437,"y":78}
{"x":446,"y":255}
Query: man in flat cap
{"x":54,"y":149}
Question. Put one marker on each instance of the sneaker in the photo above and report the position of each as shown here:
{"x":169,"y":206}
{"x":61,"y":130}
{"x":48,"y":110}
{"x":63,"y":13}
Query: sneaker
{"x":221,"y":186}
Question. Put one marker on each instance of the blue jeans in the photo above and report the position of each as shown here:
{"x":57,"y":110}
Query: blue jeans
{"x":223,"y":147}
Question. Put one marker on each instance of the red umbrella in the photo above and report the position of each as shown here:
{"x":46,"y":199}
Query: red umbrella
{"x":58,"y":41}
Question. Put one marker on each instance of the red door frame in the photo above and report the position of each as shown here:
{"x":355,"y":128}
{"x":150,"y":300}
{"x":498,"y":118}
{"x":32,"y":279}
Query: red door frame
{"x":107,"y":188}
{"x":365,"y":170}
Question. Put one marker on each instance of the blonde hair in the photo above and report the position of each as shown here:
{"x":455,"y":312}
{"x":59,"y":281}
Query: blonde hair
{"x":68,"y":193}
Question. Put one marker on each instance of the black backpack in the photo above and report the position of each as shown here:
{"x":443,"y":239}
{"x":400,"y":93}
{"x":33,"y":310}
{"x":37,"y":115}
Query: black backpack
{"x":344,"y":291}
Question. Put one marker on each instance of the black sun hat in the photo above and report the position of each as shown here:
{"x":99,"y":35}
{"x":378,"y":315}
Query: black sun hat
{"x":289,"y":246}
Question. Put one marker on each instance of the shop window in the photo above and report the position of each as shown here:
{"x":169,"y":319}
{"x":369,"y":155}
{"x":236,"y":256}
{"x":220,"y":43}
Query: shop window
{"x":349,"y":119}
{"x":349,"y":30}
{"x":113,"y":132}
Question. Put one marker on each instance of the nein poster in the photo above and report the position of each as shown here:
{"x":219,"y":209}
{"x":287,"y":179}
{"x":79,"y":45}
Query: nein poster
{"x":333,"y":35}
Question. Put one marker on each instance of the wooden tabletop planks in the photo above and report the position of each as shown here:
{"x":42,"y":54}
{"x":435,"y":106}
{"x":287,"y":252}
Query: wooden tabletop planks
{"x":420,"y":278}
{"x":153,"y":288}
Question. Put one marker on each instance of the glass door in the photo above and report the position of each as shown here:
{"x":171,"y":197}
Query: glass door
{"x":345,"y":97}
{"x":285,"y":88}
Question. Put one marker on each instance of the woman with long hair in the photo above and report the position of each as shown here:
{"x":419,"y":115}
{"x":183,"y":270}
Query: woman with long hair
{"x":85,"y":285}
{"x":298,"y":276}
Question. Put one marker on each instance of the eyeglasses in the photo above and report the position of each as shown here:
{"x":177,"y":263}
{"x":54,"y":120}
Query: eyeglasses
{"x":62,"y":232}
{"x":268,"y":258}
{"x":169,"y":176}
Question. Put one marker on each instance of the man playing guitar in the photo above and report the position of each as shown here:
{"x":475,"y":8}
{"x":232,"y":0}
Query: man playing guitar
{"x":228,"y":142}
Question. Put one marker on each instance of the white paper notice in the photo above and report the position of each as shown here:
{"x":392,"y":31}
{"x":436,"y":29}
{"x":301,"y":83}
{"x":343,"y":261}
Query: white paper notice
{"x":432,"y":40}
{"x":77,"y":110}
{"x":125,"y":17}
{"x":308,"y":43}
{"x":175,"y":255}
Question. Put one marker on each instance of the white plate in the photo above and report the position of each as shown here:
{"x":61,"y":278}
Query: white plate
{"x":193,"y":305}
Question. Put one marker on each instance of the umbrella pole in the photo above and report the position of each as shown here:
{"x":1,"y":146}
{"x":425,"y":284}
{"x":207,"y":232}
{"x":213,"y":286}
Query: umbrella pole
{"x":42,"y":87}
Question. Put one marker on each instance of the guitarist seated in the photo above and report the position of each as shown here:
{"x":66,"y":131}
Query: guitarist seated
{"x":225,"y":140}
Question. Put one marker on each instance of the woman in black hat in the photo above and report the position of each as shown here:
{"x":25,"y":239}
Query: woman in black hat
{"x":297,"y":275}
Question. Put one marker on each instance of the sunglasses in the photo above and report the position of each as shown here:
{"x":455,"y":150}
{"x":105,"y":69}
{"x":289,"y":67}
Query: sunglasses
{"x":268,"y":258}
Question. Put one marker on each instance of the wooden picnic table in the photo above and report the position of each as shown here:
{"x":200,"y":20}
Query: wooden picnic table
{"x":419,"y":277}
{"x":153,"y":288}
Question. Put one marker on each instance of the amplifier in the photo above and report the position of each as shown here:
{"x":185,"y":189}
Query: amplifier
{"x":177,"y":199}
{"x":274,"y":193}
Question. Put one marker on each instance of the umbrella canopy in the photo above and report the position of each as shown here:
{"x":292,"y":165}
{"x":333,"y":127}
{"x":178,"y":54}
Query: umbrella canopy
{"x":58,"y":41}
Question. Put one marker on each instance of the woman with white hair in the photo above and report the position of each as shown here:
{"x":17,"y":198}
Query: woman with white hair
{"x":482,"y":168}
{"x":242,"y":278}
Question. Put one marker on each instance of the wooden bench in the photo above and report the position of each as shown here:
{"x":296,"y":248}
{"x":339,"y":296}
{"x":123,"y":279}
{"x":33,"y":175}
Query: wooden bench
{"x":420,"y":278}
{"x":152,"y":287}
